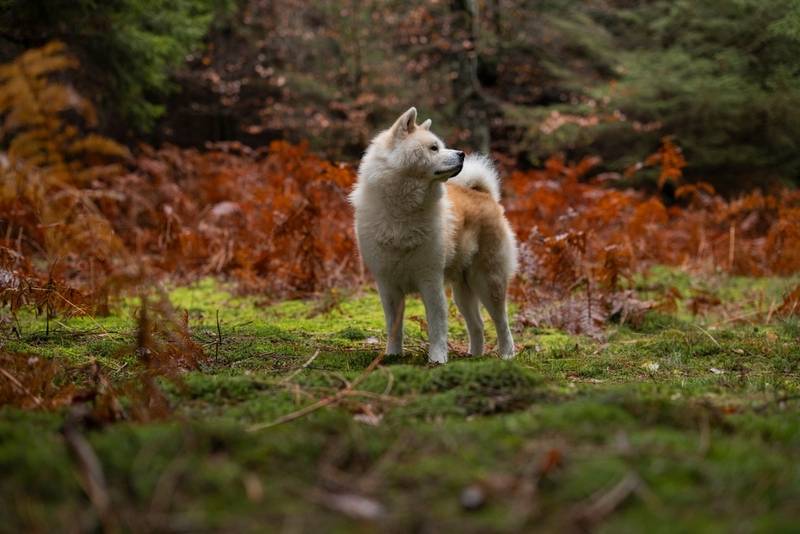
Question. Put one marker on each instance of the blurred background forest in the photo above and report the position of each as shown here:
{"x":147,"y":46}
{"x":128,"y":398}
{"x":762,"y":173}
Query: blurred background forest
{"x":145,"y":138}
{"x":524,"y":79}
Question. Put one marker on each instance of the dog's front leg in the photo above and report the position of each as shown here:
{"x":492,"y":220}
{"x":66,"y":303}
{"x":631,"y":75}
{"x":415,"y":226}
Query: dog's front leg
{"x":436,"y":316}
{"x":394,"y":304}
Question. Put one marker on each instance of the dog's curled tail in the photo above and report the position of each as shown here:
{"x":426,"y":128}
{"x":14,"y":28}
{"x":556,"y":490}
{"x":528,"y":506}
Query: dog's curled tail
{"x":479,"y":173}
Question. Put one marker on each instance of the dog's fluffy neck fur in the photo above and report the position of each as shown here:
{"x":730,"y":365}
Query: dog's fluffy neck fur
{"x":414,"y":209}
{"x":418,"y":197}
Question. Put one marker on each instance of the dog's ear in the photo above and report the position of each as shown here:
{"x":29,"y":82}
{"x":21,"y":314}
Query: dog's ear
{"x":426,"y":125}
{"x":406,"y":124}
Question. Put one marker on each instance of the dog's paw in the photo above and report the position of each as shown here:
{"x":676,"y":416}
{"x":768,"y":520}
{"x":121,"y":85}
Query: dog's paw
{"x":508,"y":355}
{"x":438,"y":358}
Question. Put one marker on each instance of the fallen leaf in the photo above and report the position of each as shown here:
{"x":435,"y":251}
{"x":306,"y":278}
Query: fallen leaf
{"x":651,"y":367}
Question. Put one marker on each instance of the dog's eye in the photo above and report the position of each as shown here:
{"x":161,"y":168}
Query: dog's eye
{"x":435,"y":148}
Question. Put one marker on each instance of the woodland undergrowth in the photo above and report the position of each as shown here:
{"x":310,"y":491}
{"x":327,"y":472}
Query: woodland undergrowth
{"x":85,"y":221}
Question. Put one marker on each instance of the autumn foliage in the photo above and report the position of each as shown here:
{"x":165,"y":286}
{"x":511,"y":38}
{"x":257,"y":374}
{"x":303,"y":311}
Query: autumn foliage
{"x":275,"y":220}
{"x":56,"y":244}
{"x":83,"y":221}
{"x":579,"y":236}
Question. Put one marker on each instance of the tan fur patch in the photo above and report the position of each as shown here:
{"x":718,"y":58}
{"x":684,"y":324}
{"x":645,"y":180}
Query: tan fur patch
{"x":478,"y":229}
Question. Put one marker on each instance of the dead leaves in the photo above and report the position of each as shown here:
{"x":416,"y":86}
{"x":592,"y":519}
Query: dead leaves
{"x":276,"y":220}
{"x":86,"y":221}
{"x":29,"y":381}
{"x":581,"y":244}
{"x":791,"y":303}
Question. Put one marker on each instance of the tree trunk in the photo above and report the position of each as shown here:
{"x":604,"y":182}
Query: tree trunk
{"x":472,"y":116}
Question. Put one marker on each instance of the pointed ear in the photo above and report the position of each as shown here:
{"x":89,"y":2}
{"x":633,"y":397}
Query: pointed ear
{"x":406,"y":124}
{"x":426,"y":125}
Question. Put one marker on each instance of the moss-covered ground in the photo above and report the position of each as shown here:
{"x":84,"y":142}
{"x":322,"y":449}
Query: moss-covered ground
{"x":682,"y":424}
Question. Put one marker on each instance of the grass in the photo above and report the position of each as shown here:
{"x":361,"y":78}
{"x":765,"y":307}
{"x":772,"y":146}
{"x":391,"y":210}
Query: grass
{"x":682,"y":424}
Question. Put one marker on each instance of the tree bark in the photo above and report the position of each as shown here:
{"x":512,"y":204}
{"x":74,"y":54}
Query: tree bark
{"x":472,"y":116}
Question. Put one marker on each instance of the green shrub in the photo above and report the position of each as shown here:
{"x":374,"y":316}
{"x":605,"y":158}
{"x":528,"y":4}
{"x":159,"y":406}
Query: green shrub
{"x":128,"y":48}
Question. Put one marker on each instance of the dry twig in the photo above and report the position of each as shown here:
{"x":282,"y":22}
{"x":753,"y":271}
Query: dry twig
{"x":297,"y":371}
{"x":90,"y":471}
{"x":603,"y":504}
{"x":333,"y":399}
{"x":703,"y":330}
{"x":21,"y":387}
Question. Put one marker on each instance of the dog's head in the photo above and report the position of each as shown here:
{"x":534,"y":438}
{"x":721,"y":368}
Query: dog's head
{"x":416,"y":151}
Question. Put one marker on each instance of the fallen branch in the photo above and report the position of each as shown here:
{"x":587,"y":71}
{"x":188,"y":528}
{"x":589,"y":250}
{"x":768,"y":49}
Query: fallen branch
{"x":703,"y":330}
{"x":601,"y":505}
{"x":219,"y":338}
{"x":90,"y":471}
{"x":297,"y":371}
{"x":333,"y":399}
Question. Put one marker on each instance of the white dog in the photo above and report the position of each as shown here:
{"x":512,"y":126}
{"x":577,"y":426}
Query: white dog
{"x":415,"y":231}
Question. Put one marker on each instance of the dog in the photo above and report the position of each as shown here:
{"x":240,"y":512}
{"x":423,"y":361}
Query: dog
{"x":426,"y":215}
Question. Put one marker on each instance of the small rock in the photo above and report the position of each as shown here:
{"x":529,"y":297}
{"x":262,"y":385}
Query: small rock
{"x":473,"y":497}
{"x":355,"y":506}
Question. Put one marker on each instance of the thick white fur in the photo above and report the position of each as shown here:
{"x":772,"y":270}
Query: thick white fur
{"x":405,"y":227}
{"x":479,"y":173}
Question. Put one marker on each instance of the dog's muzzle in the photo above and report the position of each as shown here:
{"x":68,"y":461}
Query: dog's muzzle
{"x":446,"y":174}
{"x":455,"y":169}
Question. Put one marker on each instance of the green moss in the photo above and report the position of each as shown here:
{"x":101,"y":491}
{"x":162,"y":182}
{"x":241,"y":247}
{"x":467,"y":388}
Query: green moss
{"x":702,"y":414}
{"x":352,"y":334}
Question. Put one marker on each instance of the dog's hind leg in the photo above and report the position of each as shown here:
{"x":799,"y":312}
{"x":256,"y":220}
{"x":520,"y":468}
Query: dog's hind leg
{"x":436,"y":315}
{"x":493,"y":296}
{"x":470,"y":308}
{"x":394,"y":303}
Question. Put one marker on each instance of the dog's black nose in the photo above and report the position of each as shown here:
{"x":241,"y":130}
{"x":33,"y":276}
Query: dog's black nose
{"x":460,"y":155}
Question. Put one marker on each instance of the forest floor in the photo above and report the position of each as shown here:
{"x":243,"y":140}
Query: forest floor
{"x":682,"y":424}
